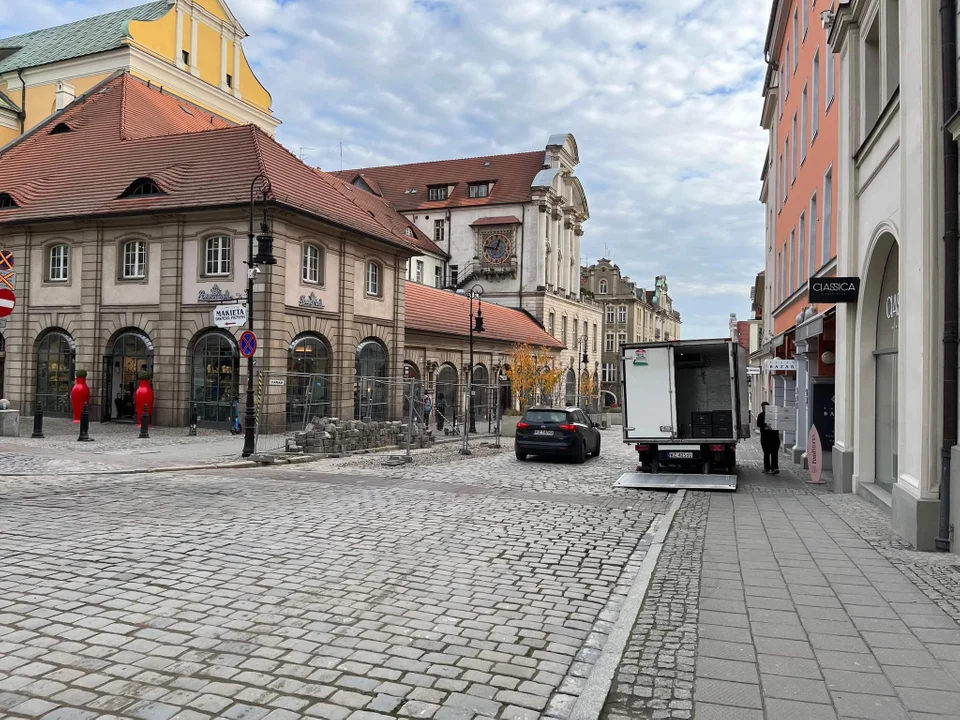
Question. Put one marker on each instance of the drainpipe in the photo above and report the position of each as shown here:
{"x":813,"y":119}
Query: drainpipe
{"x":23,"y":101}
{"x":948,"y":35}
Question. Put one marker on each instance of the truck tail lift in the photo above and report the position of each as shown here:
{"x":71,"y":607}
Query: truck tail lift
{"x":684,"y":411}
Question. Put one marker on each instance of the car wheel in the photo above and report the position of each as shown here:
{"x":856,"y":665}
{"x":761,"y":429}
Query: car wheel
{"x":596,"y":453}
{"x":581,"y":454}
{"x":521,"y":456}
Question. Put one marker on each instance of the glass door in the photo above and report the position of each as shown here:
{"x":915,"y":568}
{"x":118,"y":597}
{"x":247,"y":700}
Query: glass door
{"x":886,"y":415}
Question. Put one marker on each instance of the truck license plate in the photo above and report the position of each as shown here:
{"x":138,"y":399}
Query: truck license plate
{"x":543,"y":432}
{"x":680,"y":455}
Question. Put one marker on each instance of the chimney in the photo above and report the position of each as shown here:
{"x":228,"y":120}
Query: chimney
{"x":66,"y":94}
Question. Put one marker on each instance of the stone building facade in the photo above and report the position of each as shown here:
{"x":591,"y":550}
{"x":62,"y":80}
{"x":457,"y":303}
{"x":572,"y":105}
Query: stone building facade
{"x":121,"y":276}
{"x":630,"y":314}
{"x":510,"y":223}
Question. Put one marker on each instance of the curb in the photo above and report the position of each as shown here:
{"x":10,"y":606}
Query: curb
{"x":594,"y":695}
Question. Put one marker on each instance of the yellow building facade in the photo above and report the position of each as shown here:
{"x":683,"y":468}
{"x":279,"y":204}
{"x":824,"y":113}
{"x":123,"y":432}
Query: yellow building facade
{"x":193,"y":48}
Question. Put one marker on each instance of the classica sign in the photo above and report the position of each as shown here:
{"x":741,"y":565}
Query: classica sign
{"x":834,"y":290}
{"x":892,"y":306}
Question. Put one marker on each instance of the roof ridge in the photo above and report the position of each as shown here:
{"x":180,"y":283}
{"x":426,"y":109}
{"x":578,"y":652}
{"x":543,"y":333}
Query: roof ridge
{"x":123,"y":106}
{"x":324,"y":175}
{"x":120,"y":11}
{"x":435,"y":162}
{"x":261,"y":163}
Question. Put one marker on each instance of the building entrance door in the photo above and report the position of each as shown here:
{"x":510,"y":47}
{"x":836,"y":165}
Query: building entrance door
{"x":885,"y":356}
{"x":132,"y":354}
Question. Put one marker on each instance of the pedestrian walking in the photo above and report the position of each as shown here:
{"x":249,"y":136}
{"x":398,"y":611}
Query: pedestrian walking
{"x":427,"y":408}
{"x":441,"y":409}
{"x":769,"y":441}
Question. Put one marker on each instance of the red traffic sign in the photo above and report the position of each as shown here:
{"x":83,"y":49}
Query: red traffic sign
{"x":248,"y":343}
{"x":8,"y":301}
{"x":6,"y":259}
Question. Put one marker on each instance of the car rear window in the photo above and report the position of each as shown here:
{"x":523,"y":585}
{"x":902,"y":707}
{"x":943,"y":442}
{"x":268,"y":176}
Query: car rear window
{"x":545,"y":416}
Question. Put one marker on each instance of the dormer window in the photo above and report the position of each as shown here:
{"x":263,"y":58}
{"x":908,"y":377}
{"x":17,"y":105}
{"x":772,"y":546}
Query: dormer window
{"x":142,"y":187}
{"x":7,"y":201}
{"x":438,"y":192}
{"x":409,"y":232}
{"x":479,"y":190}
{"x":61,"y":128}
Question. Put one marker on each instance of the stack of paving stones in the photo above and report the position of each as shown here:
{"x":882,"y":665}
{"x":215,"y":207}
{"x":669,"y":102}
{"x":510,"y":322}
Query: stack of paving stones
{"x":333,"y":436}
{"x":656,"y":675}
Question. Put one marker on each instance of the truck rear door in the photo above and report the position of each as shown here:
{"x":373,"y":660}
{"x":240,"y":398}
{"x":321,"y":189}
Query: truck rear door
{"x":649,"y":407}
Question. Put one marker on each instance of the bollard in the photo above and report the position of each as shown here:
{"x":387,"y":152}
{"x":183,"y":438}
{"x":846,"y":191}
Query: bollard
{"x":38,"y":422}
{"x":194,"y":417}
{"x":84,"y":424}
{"x":144,"y":423}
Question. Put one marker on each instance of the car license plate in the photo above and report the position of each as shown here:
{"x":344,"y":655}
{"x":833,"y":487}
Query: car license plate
{"x":543,"y":432}
{"x":680,"y":455}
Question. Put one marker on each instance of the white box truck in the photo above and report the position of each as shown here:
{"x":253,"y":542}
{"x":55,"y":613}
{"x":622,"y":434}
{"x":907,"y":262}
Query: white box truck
{"x":685,"y":408}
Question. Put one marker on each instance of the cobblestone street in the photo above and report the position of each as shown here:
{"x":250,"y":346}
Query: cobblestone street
{"x":477,"y":588}
{"x":461,"y":587}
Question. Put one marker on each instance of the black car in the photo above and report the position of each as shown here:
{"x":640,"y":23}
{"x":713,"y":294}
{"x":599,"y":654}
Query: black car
{"x":557,"y":431}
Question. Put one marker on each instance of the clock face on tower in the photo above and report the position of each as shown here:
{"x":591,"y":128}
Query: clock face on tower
{"x":496,"y":248}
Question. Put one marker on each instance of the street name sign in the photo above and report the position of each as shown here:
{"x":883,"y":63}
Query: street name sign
{"x":228,"y":316}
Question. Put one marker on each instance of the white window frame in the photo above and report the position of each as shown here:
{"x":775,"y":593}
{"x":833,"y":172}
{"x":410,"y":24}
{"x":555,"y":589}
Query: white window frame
{"x":621,"y":339}
{"x":831,"y":80}
{"x":621,"y":314}
{"x":217,"y":256}
{"x":794,"y":156}
{"x":438,"y":193}
{"x":792,"y":270}
{"x":603,"y":287}
{"x":439,"y":230}
{"x":58,"y":263}
{"x":806,"y":19}
{"x":815,"y":101}
{"x":133,"y":260}
{"x":610,"y":314}
{"x":374,"y":278}
{"x":311,"y":264}
{"x":419,"y":271}
{"x":609,"y":373}
{"x":552,"y":319}
{"x":595,"y":333}
{"x":826,"y":232}
{"x":804,"y":107}
{"x":801,"y":250}
{"x":478,"y":190}
{"x":796,"y":40}
{"x":563,"y":329}
{"x":437,"y":276}
{"x":608,"y":342}
{"x":814,"y":218}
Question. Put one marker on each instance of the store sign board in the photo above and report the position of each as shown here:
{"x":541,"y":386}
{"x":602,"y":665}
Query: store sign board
{"x":814,"y":454}
{"x":774,"y":364}
{"x":753,"y":370}
{"x":228,"y":316}
{"x":834,"y":290}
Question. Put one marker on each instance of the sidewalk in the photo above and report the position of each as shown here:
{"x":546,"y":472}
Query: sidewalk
{"x":797,"y":614}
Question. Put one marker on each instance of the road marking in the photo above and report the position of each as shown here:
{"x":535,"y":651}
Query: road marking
{"x":595,"y":690}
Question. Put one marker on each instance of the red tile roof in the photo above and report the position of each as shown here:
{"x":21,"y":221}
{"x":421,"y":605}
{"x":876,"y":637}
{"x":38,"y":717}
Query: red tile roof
{"x":438,"y":311}
{"x":513,"y":176}
{"x":497,"y":220}
{"x":124,"y":129}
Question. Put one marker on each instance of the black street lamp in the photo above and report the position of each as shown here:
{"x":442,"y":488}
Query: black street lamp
{"x":476,"y":325}
{"x":583,"y":360}
{"x":264,"y":256}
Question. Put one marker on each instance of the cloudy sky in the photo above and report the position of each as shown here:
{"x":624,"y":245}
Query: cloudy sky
{"x":663,"y":97}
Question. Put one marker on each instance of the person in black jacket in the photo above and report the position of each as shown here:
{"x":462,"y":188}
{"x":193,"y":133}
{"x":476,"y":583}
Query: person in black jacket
{"x":769,"y":441}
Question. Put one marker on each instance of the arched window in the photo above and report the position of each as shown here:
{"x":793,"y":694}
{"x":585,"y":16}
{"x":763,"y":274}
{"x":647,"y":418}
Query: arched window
{"x":58,"y":263}
{"x":134,"y":260}
{"x":447,"y":400}
{"x":482,"y":411}
{"x":218,"y":256}
{"x":312,"y":264}
{"x":374,"y":278}
{"x":56,"y":363}
{"x":570,"y":387}
{"x":141,"y":187}
{"x":603,"y":287}
{"x":371,"y":396}
{"x":309,"y":382}
{"x":215,"y":376}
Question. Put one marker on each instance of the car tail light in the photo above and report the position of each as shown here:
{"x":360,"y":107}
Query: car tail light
{"x":642,"y":448}
{"x":522,"y":425}
{"x":716,"y":448}
{"x":568,"y":427}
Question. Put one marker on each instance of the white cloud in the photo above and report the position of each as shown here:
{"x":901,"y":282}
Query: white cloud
{"x":662,"y":95}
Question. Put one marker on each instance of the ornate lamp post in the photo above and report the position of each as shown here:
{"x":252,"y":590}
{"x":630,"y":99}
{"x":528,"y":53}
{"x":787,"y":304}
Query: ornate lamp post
{"x":476,"y":325}
{"x":264,"y":256}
